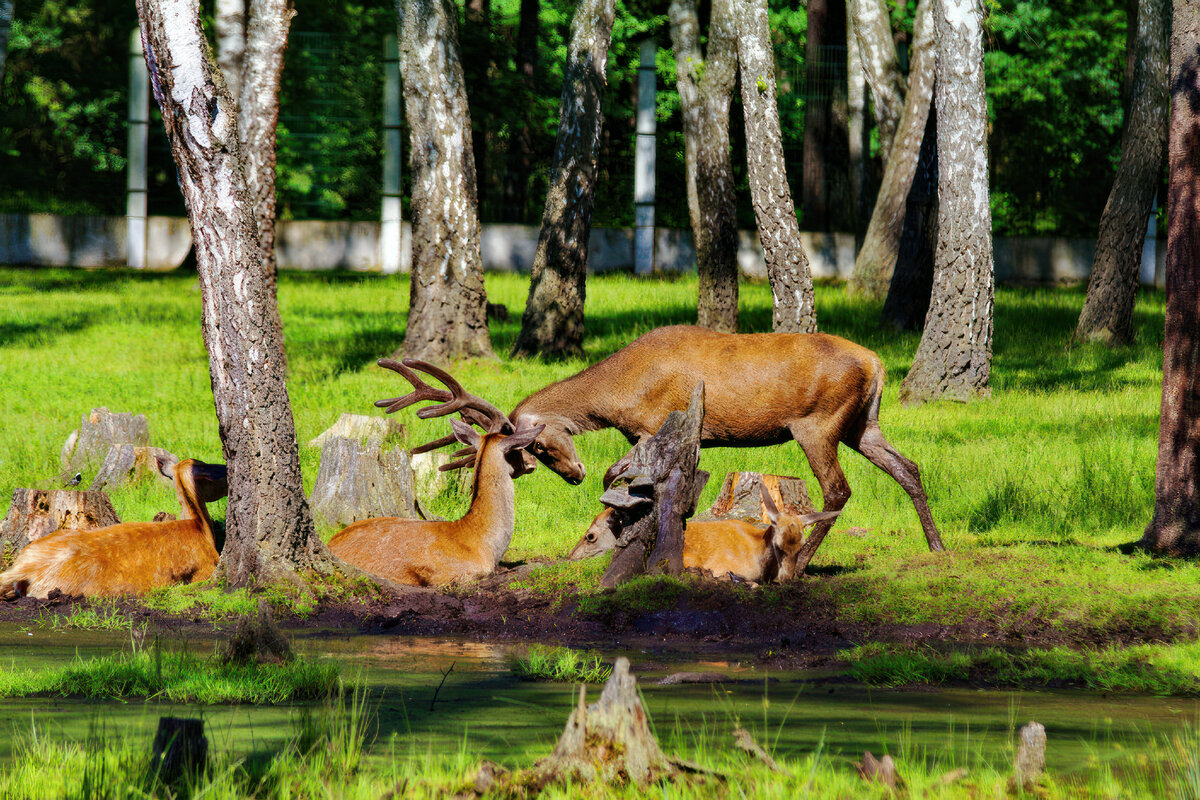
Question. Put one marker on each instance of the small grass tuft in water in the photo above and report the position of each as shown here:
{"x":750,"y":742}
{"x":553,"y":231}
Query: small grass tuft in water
{"x":89,"y":618}
{"x":542,"y":663}
{"x":175,"y":676}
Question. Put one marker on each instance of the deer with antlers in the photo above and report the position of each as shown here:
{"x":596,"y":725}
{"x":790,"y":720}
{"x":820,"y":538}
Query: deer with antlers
{"x":760,"y":389}
{"x":435,"y":553}
{"x":132,"y":557}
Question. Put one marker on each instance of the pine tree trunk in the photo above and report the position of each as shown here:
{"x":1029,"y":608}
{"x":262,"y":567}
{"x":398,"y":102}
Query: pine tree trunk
{"x":873,"y":28}
{"x":6,"y":15}
{"x":907,"y":302}
{"x":552,"y":325}
{"x":877,"y":259}
{"x":778,"y":229}
{"x":954,"y":357}
{"x":230,"y":25}
{"x":1107,"y":314}
{"x":447,"y":316}
{"x":705,"y":88}
{"x":258,"y":114}
{"x":1175,"y":527}
{"x":269,"y":530}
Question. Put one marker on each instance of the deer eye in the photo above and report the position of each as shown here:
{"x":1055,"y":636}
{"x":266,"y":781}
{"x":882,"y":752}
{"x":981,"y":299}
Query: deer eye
{"x":591,"y":537}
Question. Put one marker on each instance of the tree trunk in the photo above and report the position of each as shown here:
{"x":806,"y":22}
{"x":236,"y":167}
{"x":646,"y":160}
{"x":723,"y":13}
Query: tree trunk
{"x":877,"y":259}
{"x":258,"y":114}
{"x":873,"y":28}
{"x":1107,"y":314}
{"x":6,"y":15}
{"x":477,"y":42}
{"x":268,"y":527}
{"x":778,"y":229}
{"x":230,"y":25}
{"x":34,"y":513}
{"x":954,"y":357}
{"x":907,"y":302}
{"x":552,"y":325}
{"x":1175,"y":527}
{"x":520,"y":161}
{"x":447,"y":316}
{"x":826,"y":137}
{"x":705,"y":88}
{"x":856,"y":121}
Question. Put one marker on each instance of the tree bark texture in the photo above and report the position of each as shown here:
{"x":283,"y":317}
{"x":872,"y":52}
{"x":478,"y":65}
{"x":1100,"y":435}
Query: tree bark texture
{"x":1107,"y":314}
{"x":520,"y":162}
{"x":826,"y":137}
{"x":258,"y":114}
{"x":35,"y":513}
{"x":88,"y":445}
{"x":778,"y":228}
{"x":907,"y":302}
{"x":6,"y":15}
{"x":856,"y":124}
{"x":447,"y":316}
{"x":877,"y":259}
{"x":552,"y":325}
{"x":269,"y":530}
{"x":873,"y":29}
{"x":705,"y":88}
{"x":954,"y":357}
{"x":1175,"y":528}
{"x":230,"y":24}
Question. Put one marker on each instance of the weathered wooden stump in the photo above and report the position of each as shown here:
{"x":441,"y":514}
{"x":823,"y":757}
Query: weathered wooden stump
{"x":180,"y":749}
{"x":879,"y":770}
{"x":657,"y":485}
{"x":36,"y":512}
{"x":128,"y":463}
{"x":359,"y":480}
{"x":257,"y":640}
{"x":430,"y":481}
{"x":740,"y":497}
{"x":362,"y":428}
{"x":1030,"y":760}
{"x":87,"y":447}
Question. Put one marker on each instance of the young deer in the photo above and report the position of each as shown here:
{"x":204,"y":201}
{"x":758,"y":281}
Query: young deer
{"x":721,"y":546}
{"x":130,"y":558}
{"x":424,"y":553}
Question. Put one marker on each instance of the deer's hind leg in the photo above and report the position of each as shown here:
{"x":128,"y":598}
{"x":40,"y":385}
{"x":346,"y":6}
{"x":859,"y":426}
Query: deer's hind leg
{"x":820,"y":445}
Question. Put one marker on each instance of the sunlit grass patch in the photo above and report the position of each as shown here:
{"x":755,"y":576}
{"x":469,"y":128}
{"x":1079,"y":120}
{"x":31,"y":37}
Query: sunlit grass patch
{"x":99,"y":616}
{"x":543,"y":663}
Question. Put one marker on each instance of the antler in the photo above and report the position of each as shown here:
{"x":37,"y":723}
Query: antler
{"x":473,"y":409}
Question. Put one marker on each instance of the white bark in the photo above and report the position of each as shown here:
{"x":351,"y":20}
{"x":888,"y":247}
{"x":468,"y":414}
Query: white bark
{"x":873,"y":28}
{"x":856,"y":102}
{"x":230,"y":22}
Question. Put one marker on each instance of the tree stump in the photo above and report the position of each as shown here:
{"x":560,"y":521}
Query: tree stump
{"x":879,"y":770}
{"x":362,"y":428}
{"x":180,"y":749}
{"x":430,"y":481}
{"x":657,"y":484}
{"x":740,"y":498}
{"x":359,"y":480}
{"x":87,"y":447}
{"x":127,"y":463}
{"x":1030,"y":760}
{"x":36,"y":512}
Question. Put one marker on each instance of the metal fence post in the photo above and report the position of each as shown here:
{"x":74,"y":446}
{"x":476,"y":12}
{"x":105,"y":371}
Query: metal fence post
{"x":135,"y":170}
{"x":643,"y":174}
{"x":391,"y":236}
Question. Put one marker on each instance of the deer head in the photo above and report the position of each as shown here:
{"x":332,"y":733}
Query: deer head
{"x":786,"y":534}
{"x":601,"y":536}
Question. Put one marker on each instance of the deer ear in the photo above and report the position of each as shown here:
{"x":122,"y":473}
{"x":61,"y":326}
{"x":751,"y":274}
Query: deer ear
{"x":768,"y":503}
{"x":522,"y":438}
{"x":465,"y":433}
{"x":819,"y":516}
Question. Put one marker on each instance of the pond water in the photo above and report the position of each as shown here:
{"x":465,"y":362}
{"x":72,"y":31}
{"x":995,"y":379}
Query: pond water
{"x":484,"y":708}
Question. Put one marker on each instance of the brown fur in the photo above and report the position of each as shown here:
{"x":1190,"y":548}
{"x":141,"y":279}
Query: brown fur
{"x":425,"y":553}
{"x":130,"y":558}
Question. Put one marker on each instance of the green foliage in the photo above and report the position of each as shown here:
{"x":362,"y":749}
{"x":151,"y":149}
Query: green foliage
{"x":98,"y":617}
{"x":561,"y":664}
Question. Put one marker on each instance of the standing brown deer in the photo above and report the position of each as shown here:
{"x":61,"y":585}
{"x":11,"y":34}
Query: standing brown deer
{"x":760,"y":389}
{"x":426,"y":553}
{"x":130,"y":558}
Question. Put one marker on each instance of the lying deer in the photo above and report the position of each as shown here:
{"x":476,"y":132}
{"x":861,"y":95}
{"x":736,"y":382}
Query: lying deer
{"x":424,"y":553}
{"x":130,"y":558}
{"x":760,"y":389}
{"x":721,"y":546}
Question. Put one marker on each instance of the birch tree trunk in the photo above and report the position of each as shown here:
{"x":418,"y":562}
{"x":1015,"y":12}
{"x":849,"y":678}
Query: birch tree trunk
{"x":856,"y":113}
{"x":1107,"y":314}
{"x":877,"y":259}
{"x":553,"y":321}
{"x":230,"y":24}
{"x":447,"y":316}
{"x":954,"y":357}
{"x":269,"y":530}
{"x":873,"y":29}
{"x":1175,"y":528}
{"x":258,"y":114}
{"x":6,"y":15}
{"x":778,"y":229}
{"x":705,"y":88}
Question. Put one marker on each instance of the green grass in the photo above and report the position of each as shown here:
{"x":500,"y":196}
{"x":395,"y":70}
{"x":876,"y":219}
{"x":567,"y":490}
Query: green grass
{"x":1033,"y":488}
{"x":562,"y":664}
{"x":99,"y":617}
{"x":178,"y":676}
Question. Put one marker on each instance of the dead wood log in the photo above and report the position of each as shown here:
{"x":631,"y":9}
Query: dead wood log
{"x":360,"y":480}
{"x":657,"y":485}
{"x":880,"y":770}
{"x":740,"y":497}
{"x":87,"y":446}
{"x":128,"y":463}
{"x":745,"y":742}
{"x":180,"y":749}
{"x":37,"y":512}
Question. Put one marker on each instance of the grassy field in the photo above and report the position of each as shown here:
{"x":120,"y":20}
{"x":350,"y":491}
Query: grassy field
{"x":1033,"y":488}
